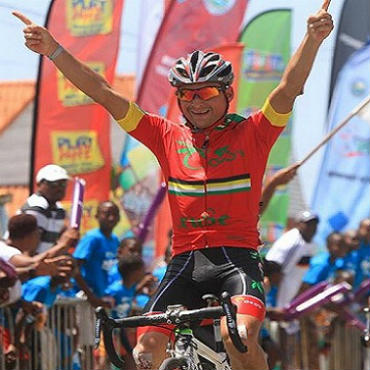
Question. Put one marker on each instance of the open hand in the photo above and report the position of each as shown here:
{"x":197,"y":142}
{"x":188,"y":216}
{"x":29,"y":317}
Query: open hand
{"x":38,"y":39}
{"x":320,"y":25}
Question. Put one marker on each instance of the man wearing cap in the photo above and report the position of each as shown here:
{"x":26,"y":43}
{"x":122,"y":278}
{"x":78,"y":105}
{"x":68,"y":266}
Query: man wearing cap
{"x":45,"y":205}
{"x":293,"y":251}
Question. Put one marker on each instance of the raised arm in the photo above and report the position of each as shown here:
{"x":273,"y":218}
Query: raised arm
{"x":319,"y":26}
{"x":281,"y":177}
{"x":39,"y":40}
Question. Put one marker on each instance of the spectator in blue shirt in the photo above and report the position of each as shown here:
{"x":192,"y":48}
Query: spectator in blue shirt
{"x":127,"y":246}
{"x":43,"y":289}
{"x":359,"y":260}
{"x":132,"y":271}
{"x":96,"y":253}
{"x":352,"y":243}
{"x":131,"y":268}
{"x":324,"y":265}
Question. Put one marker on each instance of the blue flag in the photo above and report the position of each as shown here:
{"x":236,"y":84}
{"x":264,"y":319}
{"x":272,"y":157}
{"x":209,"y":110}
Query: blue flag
{"x":342,"y":196}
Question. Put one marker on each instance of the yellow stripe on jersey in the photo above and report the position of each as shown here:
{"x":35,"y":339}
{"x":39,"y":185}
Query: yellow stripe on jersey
{"x":132,"y":118}
{"x":275,"y":118}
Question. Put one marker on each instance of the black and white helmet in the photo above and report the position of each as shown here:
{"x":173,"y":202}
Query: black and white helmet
{"x":201,"y":67}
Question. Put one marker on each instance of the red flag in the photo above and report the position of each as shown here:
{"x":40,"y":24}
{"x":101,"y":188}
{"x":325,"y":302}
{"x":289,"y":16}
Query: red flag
{"x":69,"y":129}
{"x":187,"y":26}
{"x":163,"y":224}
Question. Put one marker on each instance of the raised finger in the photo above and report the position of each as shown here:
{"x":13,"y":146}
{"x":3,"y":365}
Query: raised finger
{"x":22,"y":17}
{"x":325,"y":5}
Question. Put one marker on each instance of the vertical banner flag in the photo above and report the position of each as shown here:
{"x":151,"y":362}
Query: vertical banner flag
{"x":70,"y":130}
{"x":151,"y":16}
{"x":188,"y":25}
{"x":342,"y":191}
{"x":351,"y":35}
{"x":264,"y":59}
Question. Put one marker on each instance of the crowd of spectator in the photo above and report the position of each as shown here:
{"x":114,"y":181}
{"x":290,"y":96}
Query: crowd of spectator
{"x":43,"y":259}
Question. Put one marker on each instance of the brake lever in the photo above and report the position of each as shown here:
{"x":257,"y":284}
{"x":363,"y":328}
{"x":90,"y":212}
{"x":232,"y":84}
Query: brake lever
{"x":100,"y":316}
{"x":105,"y":323}
{"x":230,"y":313}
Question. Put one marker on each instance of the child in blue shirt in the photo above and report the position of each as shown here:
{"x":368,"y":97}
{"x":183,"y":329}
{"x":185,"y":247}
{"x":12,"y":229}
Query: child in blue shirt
{"x":132,"y":271}
{"x":96,"y":254}
{"x":324,"y":265}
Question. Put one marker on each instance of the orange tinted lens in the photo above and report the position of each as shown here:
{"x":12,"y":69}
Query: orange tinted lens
{"x":186,"y":95}
{"x":208,"y":92}
{"x":204,"y":93}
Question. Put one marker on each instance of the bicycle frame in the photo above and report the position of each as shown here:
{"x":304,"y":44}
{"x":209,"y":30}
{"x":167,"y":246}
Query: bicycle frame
{"x":195,"y":349}
{"x":181,"y":318}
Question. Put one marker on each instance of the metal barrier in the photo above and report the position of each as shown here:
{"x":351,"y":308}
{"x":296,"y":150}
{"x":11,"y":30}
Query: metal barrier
{"x":333,"y":346}
{"x":64,"y":343}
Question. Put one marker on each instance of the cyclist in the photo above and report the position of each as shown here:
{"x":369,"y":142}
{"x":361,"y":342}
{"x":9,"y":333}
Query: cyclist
{"x":214,"y":207}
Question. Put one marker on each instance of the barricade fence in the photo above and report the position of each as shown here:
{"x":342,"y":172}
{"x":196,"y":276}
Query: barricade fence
{"x":311,"y":345}
{"x":65,"y":341}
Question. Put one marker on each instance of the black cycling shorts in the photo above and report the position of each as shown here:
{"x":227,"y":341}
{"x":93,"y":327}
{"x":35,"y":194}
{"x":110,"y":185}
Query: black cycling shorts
{"x":191,"y":275}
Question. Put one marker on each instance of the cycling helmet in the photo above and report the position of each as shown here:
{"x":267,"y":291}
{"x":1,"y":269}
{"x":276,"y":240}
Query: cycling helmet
{"x":201,"y":67}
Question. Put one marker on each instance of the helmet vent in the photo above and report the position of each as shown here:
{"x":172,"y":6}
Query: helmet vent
{"x":225,"y":71}
{"x":194,"y":60}
{"x":206,"y":70}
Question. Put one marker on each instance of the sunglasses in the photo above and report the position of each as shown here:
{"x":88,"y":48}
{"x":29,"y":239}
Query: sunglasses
{"x":204,"y":93}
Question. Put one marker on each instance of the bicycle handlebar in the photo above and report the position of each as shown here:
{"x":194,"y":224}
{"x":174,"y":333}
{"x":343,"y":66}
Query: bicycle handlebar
{"x":171,"y":316}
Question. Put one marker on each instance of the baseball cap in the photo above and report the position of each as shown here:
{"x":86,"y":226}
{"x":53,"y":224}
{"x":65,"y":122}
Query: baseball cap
{"x":306,"y":216}
{"x":51,"y":172}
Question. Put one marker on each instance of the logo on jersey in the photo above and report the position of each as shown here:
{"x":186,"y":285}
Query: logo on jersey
{"x":198,"y":222}
{"x":220,"y":155}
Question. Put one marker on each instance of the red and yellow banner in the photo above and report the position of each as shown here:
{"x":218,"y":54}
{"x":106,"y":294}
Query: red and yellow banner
{"x":187,"y":26}
{"x":70,"y":129}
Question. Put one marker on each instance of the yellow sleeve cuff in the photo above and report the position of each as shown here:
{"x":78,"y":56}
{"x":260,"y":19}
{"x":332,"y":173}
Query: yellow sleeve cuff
{"x":275,"y":118}
{"x":132,"y":118}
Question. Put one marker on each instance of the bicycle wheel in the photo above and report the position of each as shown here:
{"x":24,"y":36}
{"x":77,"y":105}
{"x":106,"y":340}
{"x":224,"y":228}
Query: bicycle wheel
{"x":180,"y":363}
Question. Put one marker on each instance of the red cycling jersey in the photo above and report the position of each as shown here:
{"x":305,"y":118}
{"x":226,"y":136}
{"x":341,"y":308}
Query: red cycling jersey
{"x":214,"y":176}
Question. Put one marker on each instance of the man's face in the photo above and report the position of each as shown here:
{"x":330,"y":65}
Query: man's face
{"x":130,"y":246}
{"x":308,"y":229}
{"x":206,"y":106}
{"x":351,"y":240}
{"x":53,"y":191}
{"x":336,"y":247}
{"x":108,"y":216}
{"x":364,"y":230}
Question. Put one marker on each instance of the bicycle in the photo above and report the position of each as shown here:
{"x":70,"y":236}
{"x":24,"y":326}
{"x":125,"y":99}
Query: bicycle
{"x":187,"y":352}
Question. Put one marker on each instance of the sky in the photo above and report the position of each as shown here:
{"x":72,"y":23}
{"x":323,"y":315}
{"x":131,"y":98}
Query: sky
{"x":19,"y":63}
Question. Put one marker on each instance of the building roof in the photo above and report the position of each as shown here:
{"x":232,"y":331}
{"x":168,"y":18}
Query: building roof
{"x":14,"y":97}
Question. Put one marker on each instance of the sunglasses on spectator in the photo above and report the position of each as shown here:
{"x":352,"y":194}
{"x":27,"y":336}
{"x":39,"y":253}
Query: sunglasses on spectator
{"x":204,"y":93}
